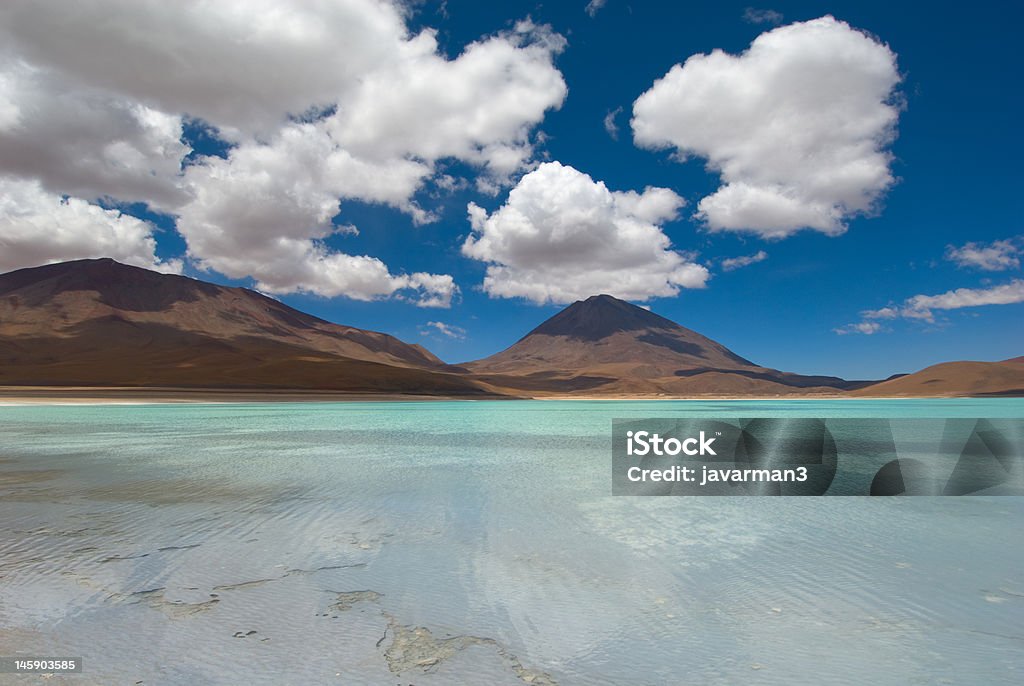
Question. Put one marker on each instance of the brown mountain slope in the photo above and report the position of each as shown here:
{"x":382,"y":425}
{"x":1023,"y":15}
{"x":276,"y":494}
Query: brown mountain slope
{"x":98,"y":322}
{"x":955,"y":379}
{"x":606,"y":345}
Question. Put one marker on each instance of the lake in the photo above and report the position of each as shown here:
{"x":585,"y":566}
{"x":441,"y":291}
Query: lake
{"x":477,"y":543}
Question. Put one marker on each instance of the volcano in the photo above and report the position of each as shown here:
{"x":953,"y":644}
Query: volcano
{"x":606,"y":345}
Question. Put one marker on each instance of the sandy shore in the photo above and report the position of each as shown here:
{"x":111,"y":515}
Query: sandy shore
{"x":90,"y":395}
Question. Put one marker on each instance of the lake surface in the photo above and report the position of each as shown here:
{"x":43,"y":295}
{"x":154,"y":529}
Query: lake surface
{"x":477,"y":543}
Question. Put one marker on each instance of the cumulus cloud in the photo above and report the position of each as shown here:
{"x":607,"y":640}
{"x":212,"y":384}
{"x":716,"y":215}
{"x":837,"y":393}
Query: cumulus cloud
{"x":434,"y":290}
{"x":308,"y":267}
{"x":994,"y":257}
{"x":923,"y":307}
{"x":479,"y":107}
{"x":243,"y":65}
{"x":86,"y":142}
{"x":731,"y":263}
{"x":379,"y":147}
{"x":266,"y":210}
{"x":561,"y":237}
{"x":448,"y":330}
{"x":321,"y":101}
{"x":797,"y":126}
{"x":38,"y":227}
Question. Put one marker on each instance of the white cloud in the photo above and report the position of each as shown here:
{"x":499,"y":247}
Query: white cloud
{"x":448,"y":330}
{"x":797,"y":126}
{"x":866,"y":328}
{"x":884,"y":313}
{"x":610,"y":125}
{"x":265,"y":211}
{"x":38,"y":227}
{"x":434,"y":290}
{"x":752,"y":15}
{"x":731,"y":263}
{"x":922,"y":307}
{"x":85,"y":142}
{"x":594,"y":6}
{"x":561,"y":236}
{"x":243,"y":65}
{"x":308,"y":267}
{"x":994,"y":257}
{"x":92,"y":99}
{"x":479,"y":107}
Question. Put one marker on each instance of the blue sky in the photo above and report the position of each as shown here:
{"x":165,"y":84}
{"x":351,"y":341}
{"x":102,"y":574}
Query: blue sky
{"x":949,"y":218}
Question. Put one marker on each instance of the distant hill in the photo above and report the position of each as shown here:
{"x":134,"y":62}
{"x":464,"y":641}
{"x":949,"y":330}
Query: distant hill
{"x":102,"y":323}
{"x":955,"y":379}
{"x":606,"y":345}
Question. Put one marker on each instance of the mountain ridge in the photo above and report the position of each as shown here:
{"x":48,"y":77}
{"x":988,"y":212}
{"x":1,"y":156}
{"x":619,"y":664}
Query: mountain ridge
{"x":99,"y":323}
{"x":128,"y":289}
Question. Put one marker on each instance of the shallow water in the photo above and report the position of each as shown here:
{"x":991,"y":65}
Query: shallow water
{"x":477,"y":543}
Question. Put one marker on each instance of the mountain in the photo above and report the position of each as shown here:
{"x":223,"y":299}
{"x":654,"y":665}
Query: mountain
{"x":605,"y":345}
{"x":102,"y":323}
{"x":955,"y":379}
{"x":99,"y":323}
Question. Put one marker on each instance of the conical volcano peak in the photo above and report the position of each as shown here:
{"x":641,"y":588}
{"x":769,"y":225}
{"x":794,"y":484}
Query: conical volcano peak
{"x":606,"y":337}
{"x":600,"y":316}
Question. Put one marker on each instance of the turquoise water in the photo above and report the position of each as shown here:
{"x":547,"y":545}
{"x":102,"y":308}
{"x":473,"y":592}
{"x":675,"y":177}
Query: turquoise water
{"x":477,"y":543}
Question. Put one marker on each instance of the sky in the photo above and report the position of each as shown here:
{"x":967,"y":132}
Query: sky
{"x":824,"y":188}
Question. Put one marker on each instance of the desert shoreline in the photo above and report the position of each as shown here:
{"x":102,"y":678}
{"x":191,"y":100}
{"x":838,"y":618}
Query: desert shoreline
{"x":92,"y":395}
